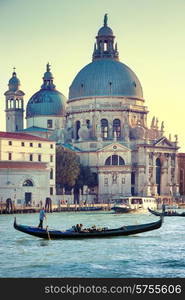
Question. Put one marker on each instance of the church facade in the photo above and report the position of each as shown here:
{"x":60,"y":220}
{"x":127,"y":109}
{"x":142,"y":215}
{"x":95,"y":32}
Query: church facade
{"x":105,"y":120}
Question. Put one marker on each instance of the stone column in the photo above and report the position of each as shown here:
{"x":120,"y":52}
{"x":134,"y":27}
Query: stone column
{"x":176,"y":185}
{"x":147,"y":176}
{"x":164,"y":176}
{"x":153,"y":176}
{"x":110,"y":128}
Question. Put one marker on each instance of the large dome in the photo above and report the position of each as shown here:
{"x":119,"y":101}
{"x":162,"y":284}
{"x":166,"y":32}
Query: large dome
{"x":105,"y":77}
{"x":46,"y":102}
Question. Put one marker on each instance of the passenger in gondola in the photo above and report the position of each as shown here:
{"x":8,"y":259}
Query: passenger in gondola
{"x":93,"y":228}
{"x":163,"y":207}
{"x":79,"y":227}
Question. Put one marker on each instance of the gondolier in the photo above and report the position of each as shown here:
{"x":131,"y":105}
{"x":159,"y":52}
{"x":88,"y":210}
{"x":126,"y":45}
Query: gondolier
{"x":42,"y":216}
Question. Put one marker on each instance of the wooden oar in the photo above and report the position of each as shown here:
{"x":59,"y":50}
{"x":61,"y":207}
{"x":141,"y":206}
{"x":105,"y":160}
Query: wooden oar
{"x":47,"y":230}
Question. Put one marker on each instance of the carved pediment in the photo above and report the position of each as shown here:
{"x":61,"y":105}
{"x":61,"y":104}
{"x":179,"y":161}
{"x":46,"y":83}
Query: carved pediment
{"x":163,"y":142}
{"x":114,"y":147}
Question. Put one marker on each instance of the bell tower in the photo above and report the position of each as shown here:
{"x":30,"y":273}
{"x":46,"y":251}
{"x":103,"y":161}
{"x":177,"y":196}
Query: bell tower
{"x":14,"y":105}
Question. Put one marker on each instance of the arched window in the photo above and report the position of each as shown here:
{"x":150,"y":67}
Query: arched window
{"x":17,"y":103}
{"x":158,"y":175}
{"x":105,"y":46}
{"x":88,"y":123}
{"x":12,"y":103}
{"x":27,"y":182}
{"x":77,"y":129}
{"x":108,"y":161}
{"x":114,"y":160}
{"x":117,"y":128}
{"x":104,"y":128}
{"x":51,"y":174}
{"x":121,"y":161}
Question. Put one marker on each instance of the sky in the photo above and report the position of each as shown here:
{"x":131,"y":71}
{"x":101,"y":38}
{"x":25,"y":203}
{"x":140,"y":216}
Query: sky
{"x":150,"y":37}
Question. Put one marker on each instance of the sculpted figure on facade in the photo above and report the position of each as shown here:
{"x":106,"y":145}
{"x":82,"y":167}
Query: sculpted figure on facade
{"x":68,"y":131}
{"x":162,"y":127}
{"x":126,"y":132}
{"x":114,"y":177}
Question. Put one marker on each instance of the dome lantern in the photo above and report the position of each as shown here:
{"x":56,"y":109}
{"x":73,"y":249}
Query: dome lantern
{"x":14,"y":82}
{"x":48,"y":79}
{"x":105,"y":43}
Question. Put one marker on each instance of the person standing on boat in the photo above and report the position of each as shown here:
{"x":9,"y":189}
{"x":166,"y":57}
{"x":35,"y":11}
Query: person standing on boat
{"x":42,"y":216}
{"x":163,"y":207}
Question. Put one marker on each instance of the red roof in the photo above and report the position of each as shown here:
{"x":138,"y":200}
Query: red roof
{"x":21,"y":136}
{"x":22,"y":165}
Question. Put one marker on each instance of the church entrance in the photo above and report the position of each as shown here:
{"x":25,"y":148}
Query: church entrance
{"x":28,"y":198}
{"x":158,"y":175}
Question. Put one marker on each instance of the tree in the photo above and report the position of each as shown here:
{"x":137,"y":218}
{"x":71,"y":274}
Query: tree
{"x":67,"y":167}
{"x":86,"y":177}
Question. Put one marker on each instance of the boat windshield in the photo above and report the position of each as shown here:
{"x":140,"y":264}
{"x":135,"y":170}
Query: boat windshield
{"x":122,"y":201}
{"x":136,"y":201}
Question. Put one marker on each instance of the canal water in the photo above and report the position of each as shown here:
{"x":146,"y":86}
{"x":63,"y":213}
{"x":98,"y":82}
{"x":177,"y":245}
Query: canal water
{"x":158,"y":253}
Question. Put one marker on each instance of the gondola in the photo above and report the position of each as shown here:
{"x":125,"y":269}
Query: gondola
{"x":166,"y":213}
{"x":105,"y":232}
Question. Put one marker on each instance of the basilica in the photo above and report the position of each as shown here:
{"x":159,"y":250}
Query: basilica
{"x":104,"y":120}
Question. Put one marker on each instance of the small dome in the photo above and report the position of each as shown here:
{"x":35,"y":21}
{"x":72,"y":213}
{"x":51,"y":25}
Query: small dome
{"x":48,"y":75}
{"x":105,"y":77}
{"x":105,"y":31}
{"x":14,"y":82}
{"x":46,"y":102}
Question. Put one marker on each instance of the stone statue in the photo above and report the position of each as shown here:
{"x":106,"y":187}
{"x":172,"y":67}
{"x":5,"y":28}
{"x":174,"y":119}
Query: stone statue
{"x":58,"y":135}
{"x":156,"y":124}
{"x":153,"y":122}
{"x":98,"y":131}
{"x":115,"y":135}
{"x":105,"y":20}
{"x":68,"y":131}
{"x":48,"y":67}
{"x":69,"y":124}
{"x":114,"y":177}
{"x":162,"y":126}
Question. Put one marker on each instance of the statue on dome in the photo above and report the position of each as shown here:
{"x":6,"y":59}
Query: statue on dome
{"x":105,"y":20}
{"x":48,"y":67}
